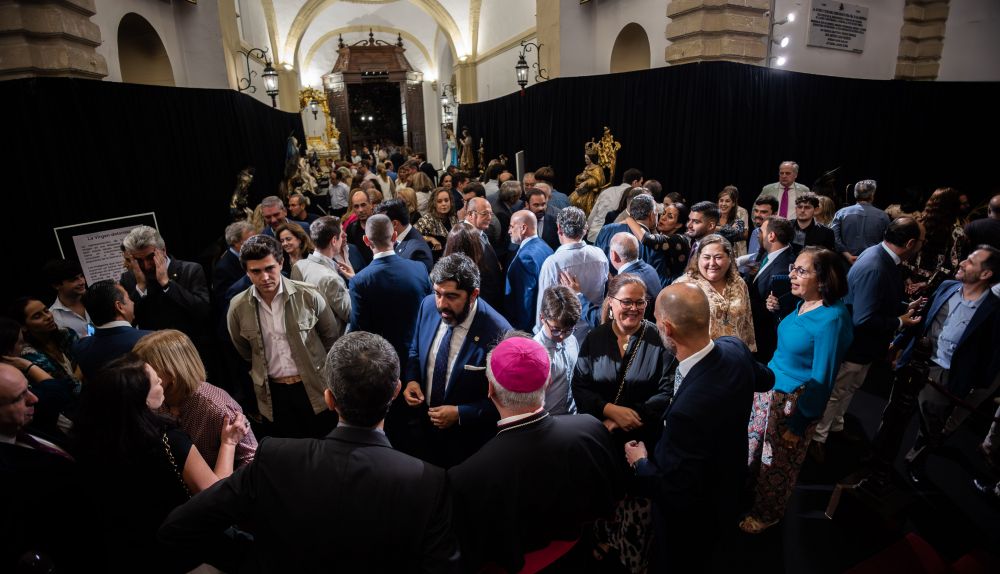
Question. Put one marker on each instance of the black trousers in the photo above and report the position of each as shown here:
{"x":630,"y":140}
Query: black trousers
{"x":293,"y":414}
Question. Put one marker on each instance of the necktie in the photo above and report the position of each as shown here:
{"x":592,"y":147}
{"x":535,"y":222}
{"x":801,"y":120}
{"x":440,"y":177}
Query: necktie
{"x":694,"y":250}
{"x":783,"y":208}
{"x":439,"y":380}
{"x":678,"y":378}
{"x":28,"y":440}
{"x":764,"y":261}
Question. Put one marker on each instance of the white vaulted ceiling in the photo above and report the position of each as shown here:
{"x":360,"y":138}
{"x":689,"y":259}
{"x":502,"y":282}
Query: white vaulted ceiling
{"x":305,"y":32}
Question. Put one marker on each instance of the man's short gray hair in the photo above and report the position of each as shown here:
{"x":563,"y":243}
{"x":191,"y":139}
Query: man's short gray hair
{"x":362,"y":371}
{"x":864,"y":189}
{"x":572,"y":222}
{"x":378,"y":230}
{"x":235,"y":232}
{"x":510,"y":191}
{"x":641,"y":206}
{"x":625,"y":245}
{"x":272,"y":201}
{"x":142,"y":237}
{"x":795,"y":166}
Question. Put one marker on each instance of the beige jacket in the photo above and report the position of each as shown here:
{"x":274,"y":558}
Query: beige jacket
{"x":308,"y":315}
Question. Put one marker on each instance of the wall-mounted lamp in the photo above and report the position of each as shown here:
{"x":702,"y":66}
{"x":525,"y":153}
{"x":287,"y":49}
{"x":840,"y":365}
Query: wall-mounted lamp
{"x":521,"y":68}
{"x":314,"y":108}
{"x":270,"y":75}
{"x":780,"y":42}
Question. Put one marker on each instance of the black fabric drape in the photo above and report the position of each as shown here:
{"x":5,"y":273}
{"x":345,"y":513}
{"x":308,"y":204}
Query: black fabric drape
{"x":84,"y":150}
{"x":699,"y":127}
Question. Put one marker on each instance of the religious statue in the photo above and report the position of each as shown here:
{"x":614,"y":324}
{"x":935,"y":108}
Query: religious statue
{"x":590,"y":181}
{"x":482,"y":156}
{"x":452,"y":158}
{"x":607,"y":153}
{"x":466,"y":161}
{"x":238,"y":209}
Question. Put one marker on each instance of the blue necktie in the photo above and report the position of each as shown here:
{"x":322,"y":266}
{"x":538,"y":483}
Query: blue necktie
{"x":678,"y":379}
{"x":439,"y":379}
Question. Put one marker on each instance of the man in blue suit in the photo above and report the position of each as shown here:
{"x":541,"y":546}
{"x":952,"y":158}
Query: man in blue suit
{"x":699,"y":466}
{"x":521,"y":291}
{"x":771,"y":278}
{"x":963,"y":328}
{"x":113,"y":312}
{"x":875,"y":298}
{"x":410,"y":244}
{"x":446,"y":370}
{"x":623,"y":254}
{"x":642,"y":209}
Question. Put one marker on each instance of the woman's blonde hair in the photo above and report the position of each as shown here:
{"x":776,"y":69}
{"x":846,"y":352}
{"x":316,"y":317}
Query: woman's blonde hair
{"x":173,"y":356}
{"x":409,"y":197}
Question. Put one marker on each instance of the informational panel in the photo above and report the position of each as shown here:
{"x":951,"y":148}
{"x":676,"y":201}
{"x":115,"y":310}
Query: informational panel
{"x":838,"y":26}
{"x":519,"y":163}
{"x":97,"y":244}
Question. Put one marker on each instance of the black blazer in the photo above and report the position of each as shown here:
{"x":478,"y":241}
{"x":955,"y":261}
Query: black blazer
{"x":429,"y":170}
{"x":104,"y":346}
{"x":773,"y":278}
{"x":347,"y":501}
{"x":355,"y":236}
{"x":540,"y":479}
{"x":550,"y":232}
{"x":700,"y":463}
{"x":413,"y":246}
{"x":184,"y":306}
{"x":227,"y":271}
{"x":491,"y":275}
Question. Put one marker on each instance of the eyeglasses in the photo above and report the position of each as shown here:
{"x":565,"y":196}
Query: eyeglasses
{"x":558,"y":332}
{"x":483,"y":213}
{"x":629,"y":303}
{"x":801,"y":272}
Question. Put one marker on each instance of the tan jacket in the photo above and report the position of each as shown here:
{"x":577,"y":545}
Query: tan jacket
{"x":308,"y":315}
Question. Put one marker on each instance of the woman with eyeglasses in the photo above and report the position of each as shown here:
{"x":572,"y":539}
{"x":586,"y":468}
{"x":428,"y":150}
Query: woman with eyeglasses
{"x":811,"y":344}
{"x":713,"y":269}
{"x":623,"y":378}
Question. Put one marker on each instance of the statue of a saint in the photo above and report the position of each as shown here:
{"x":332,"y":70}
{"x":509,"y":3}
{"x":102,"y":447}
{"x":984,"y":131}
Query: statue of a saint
{"x":466,"y":161}
{"x":588,"y":182}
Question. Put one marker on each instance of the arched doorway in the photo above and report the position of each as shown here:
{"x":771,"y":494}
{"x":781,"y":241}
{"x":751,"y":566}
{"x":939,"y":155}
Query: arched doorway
{"x":631,"y":50}
{"x":141,"y":55}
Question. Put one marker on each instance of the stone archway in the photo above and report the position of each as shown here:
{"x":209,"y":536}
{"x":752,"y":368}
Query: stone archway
{"x":141,"y":54}
{"x":631,"y":49}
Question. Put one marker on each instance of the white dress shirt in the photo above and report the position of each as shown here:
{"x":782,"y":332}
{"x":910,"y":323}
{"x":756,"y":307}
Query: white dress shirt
{"x":67,"y":318}
{"x":277,"y":352}
{"x":685,"y":366}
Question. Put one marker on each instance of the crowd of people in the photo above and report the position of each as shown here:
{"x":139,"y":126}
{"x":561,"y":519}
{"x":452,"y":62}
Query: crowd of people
{"x":419,"y":371}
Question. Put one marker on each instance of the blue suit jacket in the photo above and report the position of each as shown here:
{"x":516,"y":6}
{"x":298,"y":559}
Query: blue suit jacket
{"x":467,"y":385}
{"x":975,"y":361}
{"x":385,"y":297}
{"x":652,"y":280}
{"x":521,"y":290}
{"x":700,"y":461}
{"x":103,"y":346}
{"x":413,"y":246}
{"x":875,"y":297}
{"x":774,"y":278}
{"x":653,"y":257}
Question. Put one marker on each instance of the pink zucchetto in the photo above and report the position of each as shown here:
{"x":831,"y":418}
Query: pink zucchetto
{"x":520,"y":365}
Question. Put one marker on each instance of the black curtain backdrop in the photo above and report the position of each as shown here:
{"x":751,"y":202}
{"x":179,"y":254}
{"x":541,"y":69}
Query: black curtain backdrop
{"x":84,"y":150}
{"x":699,"y":127}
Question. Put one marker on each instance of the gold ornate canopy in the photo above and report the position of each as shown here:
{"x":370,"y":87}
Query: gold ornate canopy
{"x":332,"y":144}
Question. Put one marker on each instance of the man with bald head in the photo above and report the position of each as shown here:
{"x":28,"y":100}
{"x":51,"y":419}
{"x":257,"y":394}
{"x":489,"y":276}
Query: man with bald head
{"x":623,"y":254}
{"x":699,"y":466}
{"x":521,"y":289}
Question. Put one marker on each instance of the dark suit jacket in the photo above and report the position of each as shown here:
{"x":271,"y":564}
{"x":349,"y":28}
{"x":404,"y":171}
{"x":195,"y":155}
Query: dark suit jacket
{"x":491,"y":280}
{"x":975,"y":362}
{"x":466,"y":385}
{"x":428,"y":169}
{"x":104,"y":346}
{"x":270,"y":232}
{"x":347,"y":501}
{"x":550,"y":232}
{"x":655,"y":258}
{"x":816,"y":234}
{"x":765,"y":323}
{"x":355,"y":236}
{"x":875,"y":297}
{"x":521,"y":290}
{"x":184,"y":306}
{"x":413,"y":246}
{"x":699,"y":465}
{"x":385,"y":298}
{"x":227,"y":271}
{"x":533,"y":484}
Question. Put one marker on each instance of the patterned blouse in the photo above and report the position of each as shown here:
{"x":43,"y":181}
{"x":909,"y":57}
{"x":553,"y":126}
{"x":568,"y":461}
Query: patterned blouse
{"x":730,"y":309}
{"x":676,"y":248}
{"x":432,"y":226}
{"x":201,"y":418}
{"x":735,"y":231}
{"x":58,"y":369}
